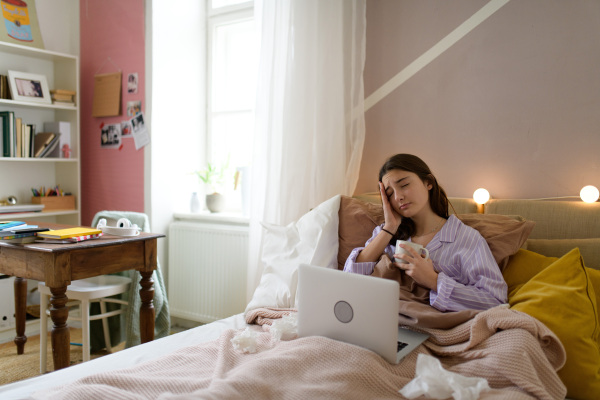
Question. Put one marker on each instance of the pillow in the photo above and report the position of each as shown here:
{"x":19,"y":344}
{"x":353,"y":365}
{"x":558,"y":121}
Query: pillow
{"x":562,"y":297}
{"x":504,"y":234}
{"x":357,"y":219}
{"x":589,"y":248}
{"x":594,"y":275}
{"x":523,"y":266}
{"x":313,"y":239}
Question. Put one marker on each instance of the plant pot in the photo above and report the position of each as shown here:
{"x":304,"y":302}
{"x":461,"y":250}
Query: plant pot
{"x":215,"y":202}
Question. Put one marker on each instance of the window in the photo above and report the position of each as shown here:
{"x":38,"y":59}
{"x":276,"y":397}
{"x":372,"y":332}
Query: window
{"x":232,"y":65}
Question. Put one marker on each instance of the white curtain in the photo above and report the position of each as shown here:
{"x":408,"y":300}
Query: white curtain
{"x":309,"y":112}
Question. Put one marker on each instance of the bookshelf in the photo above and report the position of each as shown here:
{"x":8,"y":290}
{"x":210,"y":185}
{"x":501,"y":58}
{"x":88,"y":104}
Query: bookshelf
{"x":19,"y":175}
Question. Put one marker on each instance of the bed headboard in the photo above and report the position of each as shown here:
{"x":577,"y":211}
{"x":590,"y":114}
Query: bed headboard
{"x":560,"y":226}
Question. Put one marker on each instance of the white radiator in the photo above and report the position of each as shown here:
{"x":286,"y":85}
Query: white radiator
{"x":207,"y":270}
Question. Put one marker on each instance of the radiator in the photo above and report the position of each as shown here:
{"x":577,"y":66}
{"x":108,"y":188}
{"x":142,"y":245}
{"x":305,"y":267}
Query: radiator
{"x":207,"y":270}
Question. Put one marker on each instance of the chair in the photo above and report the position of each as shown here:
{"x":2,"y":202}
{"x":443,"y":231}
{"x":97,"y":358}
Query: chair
{"x":85,"y":291}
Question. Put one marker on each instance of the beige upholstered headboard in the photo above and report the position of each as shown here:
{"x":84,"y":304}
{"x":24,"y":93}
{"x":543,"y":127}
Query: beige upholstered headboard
{"x":560,"y":226}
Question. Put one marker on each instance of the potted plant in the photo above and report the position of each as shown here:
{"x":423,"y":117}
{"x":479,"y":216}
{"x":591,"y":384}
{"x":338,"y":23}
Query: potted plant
{"x":214,"y":177}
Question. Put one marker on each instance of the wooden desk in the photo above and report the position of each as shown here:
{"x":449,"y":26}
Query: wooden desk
{"x":58,"y":264}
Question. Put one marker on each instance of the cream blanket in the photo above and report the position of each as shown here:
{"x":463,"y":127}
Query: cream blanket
{"x":516,"y":354}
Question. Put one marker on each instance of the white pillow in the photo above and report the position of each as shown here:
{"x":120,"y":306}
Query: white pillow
{"x":313,"y":239}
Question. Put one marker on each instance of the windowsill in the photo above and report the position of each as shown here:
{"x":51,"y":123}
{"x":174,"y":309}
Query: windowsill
{"x":231,"y":218}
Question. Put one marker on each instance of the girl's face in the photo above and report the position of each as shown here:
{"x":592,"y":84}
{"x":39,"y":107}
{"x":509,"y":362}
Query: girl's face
{"x":407,"y":193}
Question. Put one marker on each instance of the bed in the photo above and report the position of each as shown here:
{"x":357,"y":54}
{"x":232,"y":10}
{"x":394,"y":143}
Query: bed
{"x":544,"y":344}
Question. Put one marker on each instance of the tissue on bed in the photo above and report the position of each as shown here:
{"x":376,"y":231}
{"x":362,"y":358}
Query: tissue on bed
{"x":313,"y":239}
{"x":434,"y":382}
{"x":245,"y":341}
{"x":285,"y":328}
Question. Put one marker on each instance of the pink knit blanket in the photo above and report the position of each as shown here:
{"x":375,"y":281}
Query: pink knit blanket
{"x":517,"y":354}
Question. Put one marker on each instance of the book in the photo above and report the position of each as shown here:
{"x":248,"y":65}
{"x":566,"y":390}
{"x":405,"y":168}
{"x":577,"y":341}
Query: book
{"x":69,"y":233}
{"x":20,"y":208}
{"x":64,"y":128}
{"x":41,"y":140}
{"x":20,"y":240}
{"x":74,"y":239}
{"x":62,"y":97}
{"x":6,"y":235}
{"x":8,"y":128}
{"x":52,"y":149}
{"x":18,"y":137}
{"x":10,"y":224}
{"x":64,"y":92}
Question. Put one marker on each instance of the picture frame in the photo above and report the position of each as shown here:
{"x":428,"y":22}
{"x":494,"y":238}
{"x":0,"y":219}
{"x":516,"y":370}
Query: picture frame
{"x":29,"y":87}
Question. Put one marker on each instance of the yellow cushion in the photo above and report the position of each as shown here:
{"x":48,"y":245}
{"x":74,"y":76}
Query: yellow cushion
{"x":522,"y":266}
{"x":594,"y":275}
{"x":563,"y":298}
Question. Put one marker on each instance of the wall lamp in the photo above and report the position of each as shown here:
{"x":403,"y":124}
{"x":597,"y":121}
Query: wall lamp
{"x":481,"y":196}
{"x":589,"y":194}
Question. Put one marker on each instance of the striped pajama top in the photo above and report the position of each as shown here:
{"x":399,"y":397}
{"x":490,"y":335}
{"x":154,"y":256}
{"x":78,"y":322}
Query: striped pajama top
{"x":468,"y":275}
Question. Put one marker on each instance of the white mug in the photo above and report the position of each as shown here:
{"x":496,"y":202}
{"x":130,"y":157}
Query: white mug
{"x":416,"y":246}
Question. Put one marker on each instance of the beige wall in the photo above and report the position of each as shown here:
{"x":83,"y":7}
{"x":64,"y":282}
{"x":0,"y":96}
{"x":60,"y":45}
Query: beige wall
{"x":513,"y":106}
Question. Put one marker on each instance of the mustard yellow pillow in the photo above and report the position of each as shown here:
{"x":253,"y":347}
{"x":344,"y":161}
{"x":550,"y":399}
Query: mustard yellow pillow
{"x":594,"y":275}
{"x":522,"y":266}
{"x":563,"y":298}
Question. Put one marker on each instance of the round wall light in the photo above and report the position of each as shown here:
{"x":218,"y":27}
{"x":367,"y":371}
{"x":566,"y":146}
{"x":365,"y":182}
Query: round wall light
{"x":589,"y":194}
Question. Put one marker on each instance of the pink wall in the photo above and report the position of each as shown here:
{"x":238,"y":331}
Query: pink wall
{"x":512,"y":106}
{"x":111,"y":179}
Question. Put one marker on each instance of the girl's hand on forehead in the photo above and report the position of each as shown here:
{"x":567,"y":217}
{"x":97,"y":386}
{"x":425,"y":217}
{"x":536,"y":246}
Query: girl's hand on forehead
{"x":392,"y":218}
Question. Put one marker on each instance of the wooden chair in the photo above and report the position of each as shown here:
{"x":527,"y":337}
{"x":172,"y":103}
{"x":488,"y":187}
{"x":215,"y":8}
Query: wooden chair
{"x":84,"y":292}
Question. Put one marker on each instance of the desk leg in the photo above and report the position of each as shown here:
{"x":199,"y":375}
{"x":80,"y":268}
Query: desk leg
{"x":60,"y":331}
{"x":147,"y":312}
{"x":20,"y":286}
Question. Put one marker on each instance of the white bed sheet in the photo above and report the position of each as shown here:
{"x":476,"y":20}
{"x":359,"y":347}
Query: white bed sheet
{"x":123,"y":359}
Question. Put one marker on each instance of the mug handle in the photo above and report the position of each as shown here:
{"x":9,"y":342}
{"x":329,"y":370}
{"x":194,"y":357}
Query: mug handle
{"x":426,"y":252}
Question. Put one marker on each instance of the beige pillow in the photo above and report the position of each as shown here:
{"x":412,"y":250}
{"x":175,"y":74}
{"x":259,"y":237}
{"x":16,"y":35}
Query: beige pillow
{"x":357,"y":219}
{"x":589,"y":248}
{"x":504,"y":234}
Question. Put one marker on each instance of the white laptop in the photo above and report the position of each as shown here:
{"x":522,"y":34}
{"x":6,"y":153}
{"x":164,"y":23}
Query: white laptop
{"x":353,"y":308}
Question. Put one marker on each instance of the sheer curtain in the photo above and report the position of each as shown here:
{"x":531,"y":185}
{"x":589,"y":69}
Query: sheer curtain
{"x":309,"y":113}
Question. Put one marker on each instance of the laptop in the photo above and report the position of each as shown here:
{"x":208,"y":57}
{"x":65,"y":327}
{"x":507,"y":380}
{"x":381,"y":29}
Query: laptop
{"x":357,"y":309}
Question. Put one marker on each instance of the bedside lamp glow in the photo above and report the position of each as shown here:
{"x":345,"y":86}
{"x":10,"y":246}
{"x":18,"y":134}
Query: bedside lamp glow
{"x":589,"y":194}
{"x":481,"y":196}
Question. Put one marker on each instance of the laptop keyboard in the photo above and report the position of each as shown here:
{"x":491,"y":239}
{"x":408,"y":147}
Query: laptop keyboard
{"x":401,"y":345}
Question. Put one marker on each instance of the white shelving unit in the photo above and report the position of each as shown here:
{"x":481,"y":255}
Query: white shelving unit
{"x":19,"y":175}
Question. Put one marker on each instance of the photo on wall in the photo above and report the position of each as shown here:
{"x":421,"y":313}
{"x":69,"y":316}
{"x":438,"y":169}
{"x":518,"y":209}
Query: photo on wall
{"x":19,"y":23}
{"x":110,"y":136}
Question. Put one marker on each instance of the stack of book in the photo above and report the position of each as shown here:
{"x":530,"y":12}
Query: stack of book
{"x":69,"y":235}
{"x":64,"y":97}
{"x":18,"y":232}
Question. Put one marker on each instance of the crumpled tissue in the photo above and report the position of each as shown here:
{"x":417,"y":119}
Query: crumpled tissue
{"x":245,"y":341}
{"x":285,"y":328}
{"x":434,"y":382}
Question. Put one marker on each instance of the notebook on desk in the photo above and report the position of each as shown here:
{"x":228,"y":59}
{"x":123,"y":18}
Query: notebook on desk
{"x":356,"y":309}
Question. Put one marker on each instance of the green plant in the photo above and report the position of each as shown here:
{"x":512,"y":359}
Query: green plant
{"x":213,"y":176}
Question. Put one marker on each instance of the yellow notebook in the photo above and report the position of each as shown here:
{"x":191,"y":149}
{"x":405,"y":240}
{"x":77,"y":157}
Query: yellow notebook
{"x":69,"y":233}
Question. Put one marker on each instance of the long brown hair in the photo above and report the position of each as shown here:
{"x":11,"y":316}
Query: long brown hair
{"x":437,"y":196}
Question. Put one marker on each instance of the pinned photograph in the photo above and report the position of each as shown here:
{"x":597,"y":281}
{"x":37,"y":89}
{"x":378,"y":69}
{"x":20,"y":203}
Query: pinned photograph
{"x":134,"y":108}
{"x":111,"y":136}
{"x":140,"y":133}
{"x":132,"y":83}
{"x":126,"y":129}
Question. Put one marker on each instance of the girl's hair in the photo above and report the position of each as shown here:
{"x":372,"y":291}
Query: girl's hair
{"x":437,"y":196}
